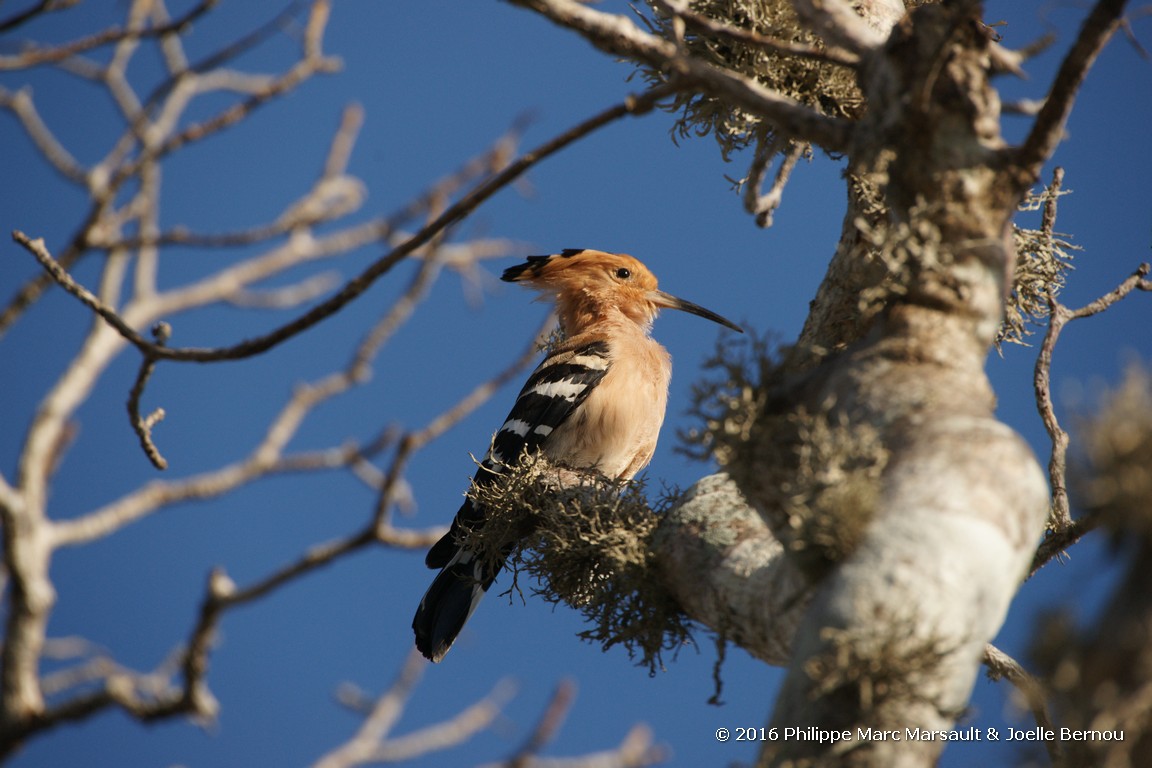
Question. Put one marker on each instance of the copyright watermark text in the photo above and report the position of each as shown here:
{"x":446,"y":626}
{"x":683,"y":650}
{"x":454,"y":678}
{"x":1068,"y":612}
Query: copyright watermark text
{"x":972,"y":733}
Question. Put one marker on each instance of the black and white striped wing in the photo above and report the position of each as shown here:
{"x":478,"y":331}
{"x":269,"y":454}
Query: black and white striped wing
{"x":553,"y":392}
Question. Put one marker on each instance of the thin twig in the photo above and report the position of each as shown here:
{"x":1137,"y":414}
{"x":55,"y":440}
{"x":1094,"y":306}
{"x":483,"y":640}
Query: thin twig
{"x":548,"y":726}
{"x":617,"y":35}
{"x":491,"y":161}
{"x":1002,"y":666}
{"x":1063,"y":531}
{"x":378,"y":531}
{"x":32,"y":55}
{"x":31,"y":12}
{"x":413,"y":441}
{"x":764,"y":205}
{"x":1048,"y":129}
{"x":143,"y":425}
{"x":354,"y":288}
{"x":449,"y":733}
{"x":372,"y":742}
{"x":105,"y":179}
{"x":635,"y":751}
{"x":380,"y":721}
{"x":266,"y":459}
{"x":21,"y":104}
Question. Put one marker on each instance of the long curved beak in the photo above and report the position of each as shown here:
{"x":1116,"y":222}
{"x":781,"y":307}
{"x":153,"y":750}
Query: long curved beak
{"x":667,"y":300}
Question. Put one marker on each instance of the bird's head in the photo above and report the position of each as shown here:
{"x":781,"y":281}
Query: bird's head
{"x":588,"y":285}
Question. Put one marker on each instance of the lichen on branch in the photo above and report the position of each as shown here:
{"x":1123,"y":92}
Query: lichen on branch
{"x":761,"y":53}
{"x":586,"y":540}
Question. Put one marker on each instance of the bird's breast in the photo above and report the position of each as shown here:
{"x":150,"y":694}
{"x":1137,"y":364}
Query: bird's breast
{"x":616,"y":430}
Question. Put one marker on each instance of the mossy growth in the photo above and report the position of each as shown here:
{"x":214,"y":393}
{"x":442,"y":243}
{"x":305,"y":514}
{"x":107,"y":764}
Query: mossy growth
{"x":867,"y":666}
{"x":811,"y":470}
{"x":1043,"y":259}
{"x":729,"y":396}
{"x":816,"y":477}
{"x":586,"y":540}
{"x":825,"y":86}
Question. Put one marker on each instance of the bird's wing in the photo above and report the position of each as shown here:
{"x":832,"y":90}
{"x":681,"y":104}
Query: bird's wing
{"x":553,"y":392}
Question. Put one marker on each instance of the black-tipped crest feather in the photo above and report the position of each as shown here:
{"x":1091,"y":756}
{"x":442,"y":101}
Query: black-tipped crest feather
{"x":537,"y":263}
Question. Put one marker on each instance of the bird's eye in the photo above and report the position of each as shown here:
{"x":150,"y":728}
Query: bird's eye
{"x":623,"y":273}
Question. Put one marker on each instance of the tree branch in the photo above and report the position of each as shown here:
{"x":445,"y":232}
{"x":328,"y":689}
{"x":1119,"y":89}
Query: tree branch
{"x":1063,"y":530}
{"x":841,"y":26}
{"x":354,"y":288}
{"x":713,"y":28}
{"x":143,"y":425}
{"x":21,"y":105}
{"x":763,"y":205}
{"x":1002,"y":666}
{"x":32,"y":55}
{"x":372,"y":742}
{"x":618,"y":36}
{"x":1048,"y":129}
{"x":726,"y":570}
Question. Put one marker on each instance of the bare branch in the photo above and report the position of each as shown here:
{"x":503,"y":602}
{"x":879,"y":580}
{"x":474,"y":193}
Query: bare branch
{"x":354,"y":288}
{"x":1063,"y":531}
{"x":107,"y":177}
{"x":223,"y":595}
{"x":1002,"y":666}
{"x":33,"y":55}
{"x":143,"y":425}
{"x":840,"y":26}
{"x":246,"y":43}
{"x":548,"y":726}
{"x":28,"y":14}
{"x":158,"y":495}
{"x":32,"y":290}
{"x":266,"y":459}
{"x":413,"y":441}
{"x":289,"y":296}
{"x":380,"y":721}
{"x":371,"y":743}
{"x":635,"y":751}
{"x":1048,"y":129}
{"x":763,"y":205}
{"x":449,"y":733}
{"x":263,"y":93}
{"x":617,"y":35}
{"x":87,"y":298}
{"x":53,"y":151}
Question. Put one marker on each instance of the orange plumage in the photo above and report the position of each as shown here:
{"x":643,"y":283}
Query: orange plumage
{"x":595,"y":403}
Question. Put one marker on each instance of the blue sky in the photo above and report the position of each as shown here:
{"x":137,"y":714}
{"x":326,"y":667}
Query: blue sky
{"x":440,"y":81}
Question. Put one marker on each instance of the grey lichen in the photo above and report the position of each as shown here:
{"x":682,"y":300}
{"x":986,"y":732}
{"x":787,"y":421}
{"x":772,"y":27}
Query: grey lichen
{"x":827,"y":87}
{"x":813,"y":473}
{"x":726,"y":400}
{"x":913,"y":252}
{"x":871,"y":668}
{"x":587,"y":542}
{"x":815,"y":476}
{"x":1043,"y":259}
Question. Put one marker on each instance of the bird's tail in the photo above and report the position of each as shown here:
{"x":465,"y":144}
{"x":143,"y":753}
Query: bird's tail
{"x":446,"y":606}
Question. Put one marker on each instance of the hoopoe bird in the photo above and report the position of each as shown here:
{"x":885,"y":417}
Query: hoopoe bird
{"x":595,"y":403}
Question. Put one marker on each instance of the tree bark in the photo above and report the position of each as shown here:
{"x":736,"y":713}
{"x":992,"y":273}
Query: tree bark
{"x":903,"y":513}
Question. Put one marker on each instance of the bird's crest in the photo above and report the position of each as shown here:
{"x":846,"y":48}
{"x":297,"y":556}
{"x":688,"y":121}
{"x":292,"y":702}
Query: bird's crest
{"x":589,"y":285}
{"x":578,"y":264}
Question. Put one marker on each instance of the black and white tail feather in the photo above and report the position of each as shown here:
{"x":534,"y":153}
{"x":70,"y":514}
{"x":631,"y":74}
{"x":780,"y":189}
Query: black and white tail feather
{"x":553,"y":392}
